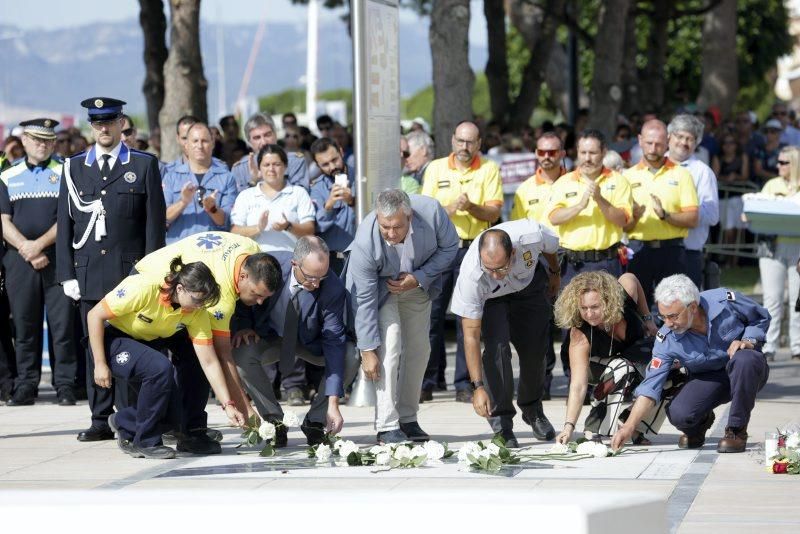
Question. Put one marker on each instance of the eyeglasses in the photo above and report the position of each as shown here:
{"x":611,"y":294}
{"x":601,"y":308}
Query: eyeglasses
{"x":309,"y":278}
{"x":782,"y":162}
{"x":465,"y":142}
{"x":405,"y":153}
{"x":547,"y":153}
{"x":671,"y":316}
{"x":496,"y":270}
{"x":127,"y":132}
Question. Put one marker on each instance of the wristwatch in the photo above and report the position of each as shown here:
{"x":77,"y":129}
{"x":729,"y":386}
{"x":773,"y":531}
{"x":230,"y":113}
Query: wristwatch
{"x":476,"y":384}
{"x":750,"y":340}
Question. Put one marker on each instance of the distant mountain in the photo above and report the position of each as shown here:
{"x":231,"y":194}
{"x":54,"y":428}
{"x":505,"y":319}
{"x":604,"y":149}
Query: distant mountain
{"x":56,"y":69}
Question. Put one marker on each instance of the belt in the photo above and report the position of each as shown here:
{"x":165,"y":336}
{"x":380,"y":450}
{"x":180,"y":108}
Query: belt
{"x":593,"y":255}
{"x":465,"y":243}
{"x":661,"y":243}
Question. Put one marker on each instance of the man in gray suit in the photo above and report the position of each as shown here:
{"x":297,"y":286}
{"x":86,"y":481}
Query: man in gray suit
{"x":393,"y":272}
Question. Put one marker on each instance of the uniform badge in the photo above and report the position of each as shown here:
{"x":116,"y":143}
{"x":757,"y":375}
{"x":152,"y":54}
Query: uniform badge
{"x":120,"y":293}
{"x":98,"y":103}
{"x":123,"y":357}
{"x":209,"y":241}
{"x":533,"y":201}
{"x":54,"y":178}
{"x":218,"y":315}
{"x":571,"y":194}
{"x":130,"y":177}
{"x":730,"y":295}
{"x":528,"y":257}
{"x":635,"y":184}
{"x":47,"y":123}
{"x":673,"y":182}
{"x":655,"y":363}
{"x":443,"y":183}
{"x":660,"y":335}
{"x":144,"y":318}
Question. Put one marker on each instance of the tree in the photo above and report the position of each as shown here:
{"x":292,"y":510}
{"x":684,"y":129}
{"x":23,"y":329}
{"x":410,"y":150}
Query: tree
{"x":606,"y":91}
{"x":184,"y":80}
{"x":154,"y":27}
{"x":720,"y":78}
{"x":453,"y":78}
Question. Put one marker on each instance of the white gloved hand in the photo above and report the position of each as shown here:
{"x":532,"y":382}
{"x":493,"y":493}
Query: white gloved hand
{"x":72,"y":290}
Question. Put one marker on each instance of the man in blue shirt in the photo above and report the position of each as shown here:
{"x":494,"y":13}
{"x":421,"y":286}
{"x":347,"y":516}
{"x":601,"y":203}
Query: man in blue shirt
{"x":333,"y":200}
{"x":716,"y":337}
{"x":198,"y":194}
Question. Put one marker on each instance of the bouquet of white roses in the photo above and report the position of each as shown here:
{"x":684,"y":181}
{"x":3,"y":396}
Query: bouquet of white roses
{"x":787,"y":460}
{"x":481,"y":456}
{"x":257,"y":431}
{"x":392,"y":456}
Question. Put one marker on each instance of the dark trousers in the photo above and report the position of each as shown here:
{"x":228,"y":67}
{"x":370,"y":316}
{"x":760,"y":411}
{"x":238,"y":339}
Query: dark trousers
{"x":694,"y":267}
{"x":156,"y":407}
{"x":102,"y":400}
{"x":521,"y":318}
{"x":437,"y":362}
{"x":740,"y":381}
{"x":8,"y":361}
{"x":651,"y":265}
{"x":31,"y":292}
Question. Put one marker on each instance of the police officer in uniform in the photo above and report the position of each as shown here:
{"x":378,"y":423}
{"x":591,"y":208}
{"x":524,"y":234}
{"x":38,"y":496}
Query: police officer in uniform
{"x":716,"y":336}
{"x":29,"y":206}
{"x":501,"y":295}
{"x":111,"y":213}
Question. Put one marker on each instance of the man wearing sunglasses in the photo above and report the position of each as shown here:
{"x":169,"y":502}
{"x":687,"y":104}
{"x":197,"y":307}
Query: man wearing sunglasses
{"x":305,"y":319}
{"x":394,"y":272}
{"x":503,"y":295}
{"x":111,"y":213}
{"x":716,"y":336}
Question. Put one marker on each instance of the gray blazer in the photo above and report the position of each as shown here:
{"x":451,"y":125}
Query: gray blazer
{"x":372,"y":262}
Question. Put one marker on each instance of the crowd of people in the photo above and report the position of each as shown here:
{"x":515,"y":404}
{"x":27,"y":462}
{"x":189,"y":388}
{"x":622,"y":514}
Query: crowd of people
{"x":239,"y":268}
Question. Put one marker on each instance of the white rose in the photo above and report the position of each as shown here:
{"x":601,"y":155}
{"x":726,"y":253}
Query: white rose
{"x":467,"y":449}
{"x":402,"y":452}
{"x":558,"y":448}
{"x":599,"y":450}
{"x":493,"y":449}
{"x":338,"y":444}
{"x":290,"y":420}
{"x":418,"y":451}
{"x":377,"y":449}
{"x":383,"y":458}
{"x":346,"y":448}
{"x":587,"y":447}
{"x":266,"y":430}
{"x":434,"y":449}
{"x":793,"y":440}
{"x":323,"y":453}
{"x":485,"y":453}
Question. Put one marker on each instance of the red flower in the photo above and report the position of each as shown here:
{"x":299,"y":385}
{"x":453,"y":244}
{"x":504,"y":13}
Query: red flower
{"x":779,"y":467}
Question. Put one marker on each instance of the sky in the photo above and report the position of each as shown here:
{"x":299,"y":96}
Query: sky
{"x":28,"y":14}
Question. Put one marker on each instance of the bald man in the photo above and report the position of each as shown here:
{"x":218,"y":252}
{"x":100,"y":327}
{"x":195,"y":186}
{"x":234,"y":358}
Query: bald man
{"x":503,"y":294}
{"x":665,"y":207}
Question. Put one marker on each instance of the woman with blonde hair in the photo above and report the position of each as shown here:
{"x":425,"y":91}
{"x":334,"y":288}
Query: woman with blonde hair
{"x":779,"y":258}
{"x":611,"y":342}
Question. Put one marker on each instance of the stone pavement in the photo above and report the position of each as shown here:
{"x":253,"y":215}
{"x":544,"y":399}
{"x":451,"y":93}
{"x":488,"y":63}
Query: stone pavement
{"x":702,"y":490}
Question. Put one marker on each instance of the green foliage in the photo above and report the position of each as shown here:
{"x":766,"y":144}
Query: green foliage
{"x":295,"y":100}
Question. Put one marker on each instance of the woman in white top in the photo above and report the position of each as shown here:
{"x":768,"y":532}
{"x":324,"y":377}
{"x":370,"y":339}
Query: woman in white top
{"x":273,"y":213}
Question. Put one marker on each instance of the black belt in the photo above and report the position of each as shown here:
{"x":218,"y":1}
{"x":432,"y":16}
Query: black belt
{"x":662,"y":243}
{"x":593,"y":255}
{"x":465,"y":243}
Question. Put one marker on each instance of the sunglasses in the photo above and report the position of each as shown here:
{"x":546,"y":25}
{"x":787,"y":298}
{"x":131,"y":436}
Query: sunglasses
{"x":547,"y":153}
{"x":405,"y":153}
{"x":782,"y":162}
{"x":127,"y":132}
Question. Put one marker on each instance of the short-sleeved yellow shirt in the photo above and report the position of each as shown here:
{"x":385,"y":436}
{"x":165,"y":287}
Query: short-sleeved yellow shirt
{"x":531,"y":199}
{"x":481,"y":182}
{"x":141,"y":310}
{"x":223,"y":253}
{"x":590,"y":230}
{"x":674,"y":187}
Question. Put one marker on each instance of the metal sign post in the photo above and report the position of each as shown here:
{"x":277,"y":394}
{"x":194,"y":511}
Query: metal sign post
{"x":376,"y":37}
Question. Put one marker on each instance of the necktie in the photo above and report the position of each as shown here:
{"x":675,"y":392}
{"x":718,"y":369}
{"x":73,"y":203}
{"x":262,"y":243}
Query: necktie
{"x":104,"y":168}
{"x":289,"y":336}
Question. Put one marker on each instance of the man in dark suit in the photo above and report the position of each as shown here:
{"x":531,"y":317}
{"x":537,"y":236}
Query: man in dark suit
{"x":111,"y":213}
{"x":305,"y":318}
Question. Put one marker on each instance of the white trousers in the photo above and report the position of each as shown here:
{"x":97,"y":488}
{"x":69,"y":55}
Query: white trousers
{"x":404,"y":321}
{"x":774,"y":272}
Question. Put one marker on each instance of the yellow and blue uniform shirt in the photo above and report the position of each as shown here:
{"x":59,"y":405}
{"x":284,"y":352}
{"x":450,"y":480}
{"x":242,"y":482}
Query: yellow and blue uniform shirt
{"x":674,"y":187}
{"x":590,"y":230}
{"x":223,"y":253}
{"x":532,"y":197}
{"x":481,"y":182}
{"x":29,"y":193}
{"x":139,"y":308}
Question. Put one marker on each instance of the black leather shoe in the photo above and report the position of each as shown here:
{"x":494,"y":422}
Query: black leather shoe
{"x":96,"y":433}
{"x":697,"y":440}
{"x":125,"y":445}
{"x":294,"y":397}
{"x":66,"y":397}
{"x":314,"y":432}
{"x":281,"y":438}
{"x":198,"y":443}
{"x":159,"y":452}
{"x":542,"y":429}
{"x":5,"y":392}
{"x":425,"y":395}
{"x":464,"y":395}
{"x":510,"y":438}
{"x":413,"y":431}
{"x":23,"y":396}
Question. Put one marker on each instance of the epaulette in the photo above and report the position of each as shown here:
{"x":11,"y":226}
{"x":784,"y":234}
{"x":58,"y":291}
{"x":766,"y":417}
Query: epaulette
{"x":142,"y":153}
{"x":661,"y":335}
{"x":730,"y":295}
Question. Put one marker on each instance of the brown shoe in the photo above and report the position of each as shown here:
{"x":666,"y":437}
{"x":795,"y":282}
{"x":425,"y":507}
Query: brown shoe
{"x":696,"y":441}
{"x":735,"y":440}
